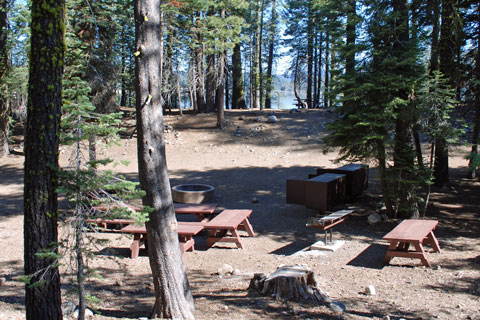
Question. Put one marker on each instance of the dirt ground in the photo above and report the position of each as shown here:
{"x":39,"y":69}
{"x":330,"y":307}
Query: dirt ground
{"x":248,"y":164}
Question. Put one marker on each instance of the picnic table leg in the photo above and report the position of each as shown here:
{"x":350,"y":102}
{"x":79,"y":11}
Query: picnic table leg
{"x":238,"y":241}
{"x":245,"y":225}
{"x":423,"y":257}
{"x":135,"y":247}
{"x":432,"y":240}
{"x":187,"y":243}
{"x":389,"y":254}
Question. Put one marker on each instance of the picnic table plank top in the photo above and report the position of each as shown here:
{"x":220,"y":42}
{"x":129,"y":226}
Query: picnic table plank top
{"x":411,"y":230}
{"x":182,"y":228}
{"x":229,"y":219}
{"x":206,"y":208}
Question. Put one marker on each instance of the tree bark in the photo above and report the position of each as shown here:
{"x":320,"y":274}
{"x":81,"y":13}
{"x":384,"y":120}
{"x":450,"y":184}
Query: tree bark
{"x":179,"y":91}
{"x":476,"y":125}
{"x":238,"y":92}
{"x":350,"y":55}
{"x":200,"y":74}
{"x":446,"y":49}
{"x":257,"y":57}
{"x":319,"y":69}
{"x":227,"y":85}
{"x":173,"y":298}
{"x":41,"y":158}
{"x":193,"y":83}
{"x":220,"y":91}
{"x":211,"y":83}
{"x":434,"y":37}
{"x":326,"y":87}
{"x":310,"y":54}
{"x":3,"y":74}
{"x":271,"y":47}
{"x":404,"y":154}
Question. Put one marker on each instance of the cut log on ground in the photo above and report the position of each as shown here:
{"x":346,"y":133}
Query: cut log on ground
{"x":291,"y":283}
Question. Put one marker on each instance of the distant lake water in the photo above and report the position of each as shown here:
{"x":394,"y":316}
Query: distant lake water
{"x":278,"y":102}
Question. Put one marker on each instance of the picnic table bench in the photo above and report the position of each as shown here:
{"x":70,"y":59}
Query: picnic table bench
{"x":326,"y":223}
{"x":201,"y":211}
{"x":411,"y":232}
{"x":186,"y":231}
{"x":229,"y":221}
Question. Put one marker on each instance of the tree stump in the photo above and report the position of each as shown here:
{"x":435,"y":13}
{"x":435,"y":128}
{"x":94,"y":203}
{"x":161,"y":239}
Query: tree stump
{"x":291,"y":283}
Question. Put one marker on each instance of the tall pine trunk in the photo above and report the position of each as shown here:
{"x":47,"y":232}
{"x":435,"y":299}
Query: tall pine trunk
{"x":404,"y":155}
{"x":434,"y":37}
{"x":326,"y":87}
{"x":476,"y":125}
{"x":41,"y":159}
{"x":200,"y":74}
{"x":220,"y":92}
{"x":211,"y":83}
{"x":257,"y":57}
{"x":3,"y":74}
{"x":238,"y":91}
{"x":271,"y":47}
{"x":446,"y":51}
{"x":173,"y":298}
{"x":310,"y":54}
{"x":350,"y":53}
{"x":319,"y":69}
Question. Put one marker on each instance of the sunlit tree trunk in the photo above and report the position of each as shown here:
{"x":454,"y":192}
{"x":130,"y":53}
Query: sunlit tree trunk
{"x":256,"y":73}
{"x":173,"y":298}
{"x":220,"y":91}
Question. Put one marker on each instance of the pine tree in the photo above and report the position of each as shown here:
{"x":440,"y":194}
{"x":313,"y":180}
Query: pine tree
{"x":173,"y":298}
{"x":3,"y":73}
{"x":42,"y":289}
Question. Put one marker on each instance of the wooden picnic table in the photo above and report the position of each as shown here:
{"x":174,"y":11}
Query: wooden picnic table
{"x":185,"y":230}
{"x":411,"y":232}
{"x":225,"y":226}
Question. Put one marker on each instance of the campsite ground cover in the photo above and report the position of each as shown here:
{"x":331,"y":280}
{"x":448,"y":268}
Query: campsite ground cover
{"x":248,"y":164}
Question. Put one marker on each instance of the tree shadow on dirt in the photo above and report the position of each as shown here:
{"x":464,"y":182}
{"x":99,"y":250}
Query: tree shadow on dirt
{"x":11,"y":291}
{"x":10,"y":203}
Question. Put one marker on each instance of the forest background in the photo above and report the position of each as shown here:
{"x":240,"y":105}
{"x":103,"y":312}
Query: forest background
{"x":398,"y":73}
{"x":401,"y":76}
